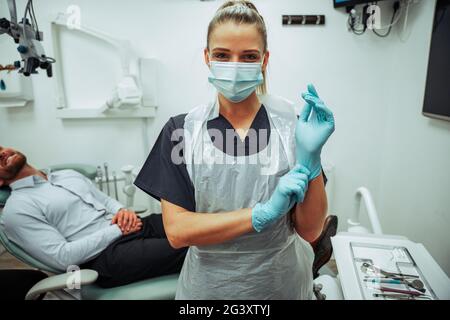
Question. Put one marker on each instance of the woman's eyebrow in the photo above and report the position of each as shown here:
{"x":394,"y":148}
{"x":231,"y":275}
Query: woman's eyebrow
{"x":228,"y":50}
{"x":221,"y":49}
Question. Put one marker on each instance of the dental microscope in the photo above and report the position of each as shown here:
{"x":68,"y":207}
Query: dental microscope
{"x":28,"y":37}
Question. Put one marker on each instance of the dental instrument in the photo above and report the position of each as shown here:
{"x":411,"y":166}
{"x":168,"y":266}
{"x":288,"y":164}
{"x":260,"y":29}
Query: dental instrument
{"x":99,"y":178}
{"x":370,"y":267}
{"x":400,"y":296}
{"x":413,"y":293}
{"x":415,"y":284}
{"x":115,"y":185}
{"x":105,"y":165}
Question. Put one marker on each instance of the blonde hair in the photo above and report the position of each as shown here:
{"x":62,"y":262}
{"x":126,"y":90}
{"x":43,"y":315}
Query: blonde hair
{"x":241,"y":12}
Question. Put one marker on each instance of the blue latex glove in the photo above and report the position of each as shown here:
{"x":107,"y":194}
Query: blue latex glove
{"x":314,"y":126}
{"x":290,"y":189}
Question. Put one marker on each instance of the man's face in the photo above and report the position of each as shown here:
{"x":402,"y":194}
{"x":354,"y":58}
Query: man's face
{"x":11,"y":162}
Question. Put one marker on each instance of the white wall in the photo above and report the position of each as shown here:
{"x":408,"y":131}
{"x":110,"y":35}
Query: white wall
{"x":374,"y":86}
{"x":414,"y":188}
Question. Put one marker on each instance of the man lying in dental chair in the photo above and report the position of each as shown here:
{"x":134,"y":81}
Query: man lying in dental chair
{"x":62,"y":219}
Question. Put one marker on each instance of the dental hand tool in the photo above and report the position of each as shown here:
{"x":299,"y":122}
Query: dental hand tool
{"x":100,"y":178}
{"x":414,"y":293}
{"x":105,"y":165}
{"x":415,"y":284}
{"x":366,"y":267}
{"x":115,"y":185}
{"x":400,"y":296}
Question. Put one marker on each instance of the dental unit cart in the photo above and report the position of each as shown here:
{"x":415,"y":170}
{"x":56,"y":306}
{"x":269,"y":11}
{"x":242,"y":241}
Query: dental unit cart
{"x":384,"y":267}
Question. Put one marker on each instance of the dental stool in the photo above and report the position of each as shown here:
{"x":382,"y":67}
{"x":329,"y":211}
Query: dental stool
{"x":160,"y":288}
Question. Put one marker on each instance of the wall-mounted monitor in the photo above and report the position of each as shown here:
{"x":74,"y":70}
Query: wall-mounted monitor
{"x":436,"y":103}
{"x":348,"y":3}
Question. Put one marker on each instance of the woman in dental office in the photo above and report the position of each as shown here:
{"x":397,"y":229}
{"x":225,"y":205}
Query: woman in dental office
{"x":246,"y":203}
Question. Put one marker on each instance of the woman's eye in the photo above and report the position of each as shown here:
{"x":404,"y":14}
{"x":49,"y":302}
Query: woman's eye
{"x":251,"y":57}
{"x":220,"y":56}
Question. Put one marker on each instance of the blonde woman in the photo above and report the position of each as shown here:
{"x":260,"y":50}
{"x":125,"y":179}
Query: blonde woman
{"x":240,"y":179}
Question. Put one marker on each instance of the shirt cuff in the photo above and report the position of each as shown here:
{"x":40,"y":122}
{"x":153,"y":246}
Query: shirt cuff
{"x":115,"y":206}
{"x":114,"y":232}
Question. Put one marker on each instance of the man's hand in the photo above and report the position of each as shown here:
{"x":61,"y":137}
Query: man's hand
{"x":127,"y":221}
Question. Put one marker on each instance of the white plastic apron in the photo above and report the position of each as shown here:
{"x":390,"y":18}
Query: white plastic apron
{"x":273,"y":264}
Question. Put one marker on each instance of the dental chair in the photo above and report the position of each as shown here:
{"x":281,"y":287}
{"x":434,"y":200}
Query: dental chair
{"x":160,"y":288}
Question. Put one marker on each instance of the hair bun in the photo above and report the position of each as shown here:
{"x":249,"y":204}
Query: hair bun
{"x":244,"y":3}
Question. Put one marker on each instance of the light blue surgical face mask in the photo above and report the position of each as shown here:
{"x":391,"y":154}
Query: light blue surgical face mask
{"x":235,"y":80}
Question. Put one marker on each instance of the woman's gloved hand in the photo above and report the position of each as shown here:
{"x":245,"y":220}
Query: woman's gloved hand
{"x":314,"y":126}
{"x":290,"y":189}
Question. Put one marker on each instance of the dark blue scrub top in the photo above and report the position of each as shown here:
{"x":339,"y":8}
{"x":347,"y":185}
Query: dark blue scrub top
{"x":163,"y":179}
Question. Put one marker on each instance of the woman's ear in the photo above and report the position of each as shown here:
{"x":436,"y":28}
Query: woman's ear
{"x":2,"y":182}
{"x":266,"y":61}
{"x":206,"y":56}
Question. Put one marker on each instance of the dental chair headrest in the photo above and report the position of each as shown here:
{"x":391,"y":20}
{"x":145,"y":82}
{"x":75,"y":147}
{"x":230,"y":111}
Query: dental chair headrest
{"x":4,"y":195}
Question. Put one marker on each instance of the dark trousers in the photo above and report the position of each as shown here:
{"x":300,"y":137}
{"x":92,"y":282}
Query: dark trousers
{"x":14,"y":284}
{"x":141,"y":255}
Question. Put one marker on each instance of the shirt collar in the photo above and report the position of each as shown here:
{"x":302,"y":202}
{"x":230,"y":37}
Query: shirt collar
{"x":27,"y":182}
